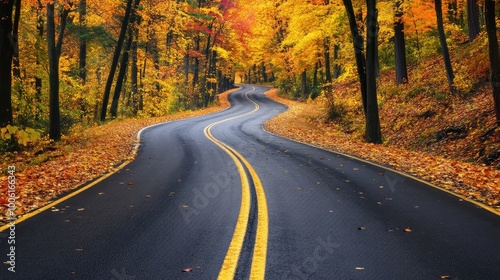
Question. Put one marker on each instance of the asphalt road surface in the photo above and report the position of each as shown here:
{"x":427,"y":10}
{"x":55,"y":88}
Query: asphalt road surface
{"x":218,"y":197}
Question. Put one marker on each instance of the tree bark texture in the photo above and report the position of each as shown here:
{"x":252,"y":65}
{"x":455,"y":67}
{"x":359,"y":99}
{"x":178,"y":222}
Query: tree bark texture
{"x":400,"y":44}
{"x":358,"y":49}
{"x":373,"y":133}
{"x":6,"y":51}
{"x":116,"y":57}
{"x":54,"y":113}
{"x":444,"y":46}
{"x":494,"y":55}
{"x":473,"y":19}
{"x":83,"y":43}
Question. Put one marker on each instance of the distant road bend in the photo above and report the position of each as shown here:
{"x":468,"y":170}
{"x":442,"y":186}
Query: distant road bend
{"x":217,"y":197}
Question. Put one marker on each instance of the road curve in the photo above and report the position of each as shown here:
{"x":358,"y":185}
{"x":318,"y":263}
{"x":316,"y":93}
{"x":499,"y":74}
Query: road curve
{"x":217,"y":197}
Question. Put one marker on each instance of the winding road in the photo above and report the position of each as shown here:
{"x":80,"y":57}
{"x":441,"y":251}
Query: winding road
{"x":217,"y":197}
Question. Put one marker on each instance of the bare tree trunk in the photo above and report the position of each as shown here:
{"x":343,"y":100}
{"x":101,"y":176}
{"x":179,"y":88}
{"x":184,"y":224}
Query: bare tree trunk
{"x":491,"y":29}
{"x":121,"y":76}
{"x":134,"y":72}
{"x":15,"y":38}
{"x":186,"y":69}
{"x":399,"y":44}
{"x":336,"y":66}
{"x":473,"y":19}
{"x":6,"y":51}
{"x":55,"y":118}
{"x":196,"y":68}
{"x":373,"y":133}
{"x":303,"y":78}
{"x":264,"y":74}
{"x":83,"y":43}
{"x":444,"y":46}
{"x":116,"y":57}
{"x":358,"y":50}
{"x":40,"y":24}
{"x":326,"y":53}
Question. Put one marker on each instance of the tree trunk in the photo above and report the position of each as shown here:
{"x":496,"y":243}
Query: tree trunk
{"x":6,"y":51}
{"x":473,"y":19}
{"x":16,"y":71}
{"x":121,"y":76}
{"x":373,"y":134}
{"x":358,"y":50}
{"x":336,"y":67}
{"x":491,"y":29}
{"x":399,"y":44}
{"x":38,"y":45}
{"x":134,"y":72}
{"x":54,"y":118}
{"x":315,"y":83}
{"x":264,"y":74}
{"x":444,"y":46}
{"x":304,"y":83}
{"x":116,"y":56}
{"x":83,"y":43}
{"x":196,"y":68}
{"x":213,"y":75}
{"x":328,"y":68}
{"x":186,"y":69}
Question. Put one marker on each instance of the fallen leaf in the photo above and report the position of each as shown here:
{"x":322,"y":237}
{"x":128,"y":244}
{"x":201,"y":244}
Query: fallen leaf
{"x":130,"y":183}
{"x":407,"y":229}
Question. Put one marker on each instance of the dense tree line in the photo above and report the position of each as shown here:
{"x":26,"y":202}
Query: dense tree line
{"x":367,"y":37}
{"x":85,"y":61}
{"x":82,"y":61}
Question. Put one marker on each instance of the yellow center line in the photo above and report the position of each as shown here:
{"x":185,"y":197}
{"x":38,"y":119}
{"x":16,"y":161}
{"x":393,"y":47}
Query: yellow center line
{"x":230,"y":263}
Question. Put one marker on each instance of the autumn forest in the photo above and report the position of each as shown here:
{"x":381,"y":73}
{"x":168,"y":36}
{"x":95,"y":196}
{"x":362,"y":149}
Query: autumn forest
{"x":84,"y":62}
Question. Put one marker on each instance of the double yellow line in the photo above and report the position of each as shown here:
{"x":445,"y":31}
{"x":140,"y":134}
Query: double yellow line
{"x":230,"y":263}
